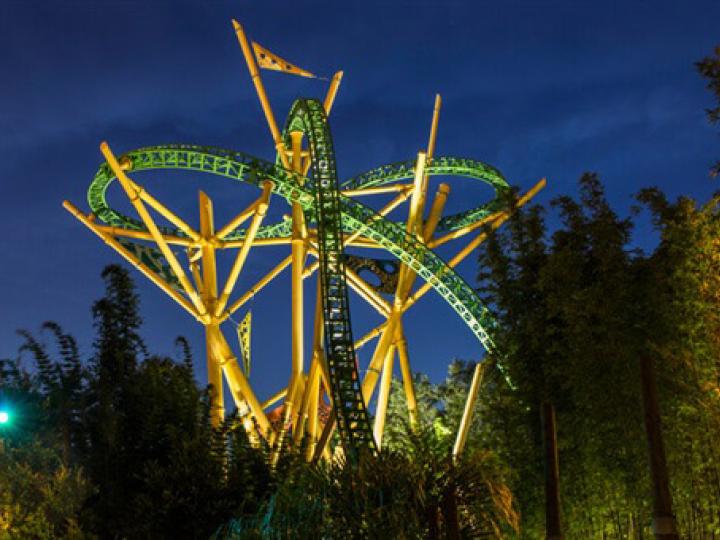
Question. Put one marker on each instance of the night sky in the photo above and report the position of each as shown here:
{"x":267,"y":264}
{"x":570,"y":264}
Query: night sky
{"x":538,"y":89}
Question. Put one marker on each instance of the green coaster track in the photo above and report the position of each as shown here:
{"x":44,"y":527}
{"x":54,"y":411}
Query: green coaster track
{"x":334,"y":215}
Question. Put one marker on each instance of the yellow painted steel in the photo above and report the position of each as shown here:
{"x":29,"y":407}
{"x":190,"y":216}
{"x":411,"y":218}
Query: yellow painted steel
{"x":164,"y":211}
{"x":239,"y":386}
{"x":262,"y":96}
{"x":132,"y":259}
{"x":459,"y":233}
{"x":274,"y":398}
{"x":252,"y":291}
{"x":332,"y":92}
{"x":468,"y":411}
{"x":209,"y":287}
{"x":302,"y":395}
{"x":143,"y":235}
{"x":260,"y":211}
{"x":157,"y":235}
{"x":392,"y":188}
{"x":457,"y":259}
{"x":258,"y":242}
{"x":384,"y":395}
{"x":407,"y":377}
{"x":298,"y":253}
{"x":238,"y":220}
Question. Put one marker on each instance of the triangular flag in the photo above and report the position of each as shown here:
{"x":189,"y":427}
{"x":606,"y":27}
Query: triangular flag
{"x":243,"y":332}
{"x":268,"y":60}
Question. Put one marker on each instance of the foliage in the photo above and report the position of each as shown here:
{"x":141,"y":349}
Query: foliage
{"x":120,"y":447}
{"x":576,"y":310}
{"x":709,"y":68}
{"x":414,"y":490}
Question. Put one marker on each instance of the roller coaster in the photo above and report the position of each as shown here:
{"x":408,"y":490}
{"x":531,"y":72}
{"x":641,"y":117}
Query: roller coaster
{"x":327,"y":223}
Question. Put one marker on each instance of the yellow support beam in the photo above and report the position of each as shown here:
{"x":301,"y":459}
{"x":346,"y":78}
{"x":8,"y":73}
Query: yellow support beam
{"x":252,"y":291}
{"x":332,"y":92}
{"x":239,"y":385}
{"x":260,"y":211}
{"x":407,"y":377}
{"x":384,"y":396}
{"x":466,"y":420}
{"x":132,"y":259}
{"x":262,"y":96}
{"x":415,"y":215}
{"x":433,"y":128}
{"x":258,"y":242}
{"x":164,"y":211}
{"x":144,"y":235}
{"x":137,"y":203}
{"x":209,"y":288}
{"x":238,"y":220}
{"x":457,"y":259}
{"x":298,"y":254}
{"x":274,"y":398}
{"x":392,"y":188}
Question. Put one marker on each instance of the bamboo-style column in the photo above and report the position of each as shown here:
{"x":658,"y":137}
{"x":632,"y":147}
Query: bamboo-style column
{"x":466,"y":420}
{"x":259,"y":215}
{"x":209,"y":291}
{"x":133,"y":194}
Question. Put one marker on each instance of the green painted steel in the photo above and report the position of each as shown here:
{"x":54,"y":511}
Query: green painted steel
{"x":353,"y":420}
{"x":335,"y":214}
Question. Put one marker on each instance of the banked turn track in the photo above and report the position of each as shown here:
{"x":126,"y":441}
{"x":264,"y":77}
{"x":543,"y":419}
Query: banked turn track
{"x":334,"y":215}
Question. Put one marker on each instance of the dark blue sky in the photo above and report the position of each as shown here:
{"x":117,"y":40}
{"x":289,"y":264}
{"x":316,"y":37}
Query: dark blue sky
{"x":535,"y":88}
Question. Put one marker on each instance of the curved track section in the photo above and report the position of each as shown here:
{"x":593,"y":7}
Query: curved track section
{"x":353,"y":420}
{"x":334,"y":214}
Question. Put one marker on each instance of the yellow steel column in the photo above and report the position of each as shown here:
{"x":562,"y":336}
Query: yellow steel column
{"x":132,"y":259}
{"x":260,"y":89}
{"x":298,"y":266}
{"x":408,"y":382}
{"x":209,"y":294}
{"x":468,"y":411}
{"x":384,"y":395}
{"x":295,"y":385}
{"x":312,"y":397}
{"x":133,"y":194}
{"x":242,"y":254}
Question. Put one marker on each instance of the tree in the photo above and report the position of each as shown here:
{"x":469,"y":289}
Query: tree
{"x":709,"y":68}
{"x":130,"y":433}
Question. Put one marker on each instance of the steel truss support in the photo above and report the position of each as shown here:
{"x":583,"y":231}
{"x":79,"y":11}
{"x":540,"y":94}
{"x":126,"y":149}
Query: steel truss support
{"x":339,"y":222}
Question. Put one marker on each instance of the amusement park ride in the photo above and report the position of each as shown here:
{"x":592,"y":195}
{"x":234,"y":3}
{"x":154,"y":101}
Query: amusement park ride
{"x":327,"y":222}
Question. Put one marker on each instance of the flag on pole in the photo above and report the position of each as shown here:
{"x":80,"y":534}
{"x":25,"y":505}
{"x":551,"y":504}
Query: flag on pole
{"x":268,"y":60}
{"x":243,"y":332}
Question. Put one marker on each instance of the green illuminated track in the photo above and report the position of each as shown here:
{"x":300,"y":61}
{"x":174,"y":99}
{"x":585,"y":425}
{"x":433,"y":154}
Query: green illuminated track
{"x":334,"y":215}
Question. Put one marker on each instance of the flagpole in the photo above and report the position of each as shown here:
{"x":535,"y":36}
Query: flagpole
{"x":257,"y":81}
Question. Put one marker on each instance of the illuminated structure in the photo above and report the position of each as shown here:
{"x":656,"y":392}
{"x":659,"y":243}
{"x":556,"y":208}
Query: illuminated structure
{"x":327,"y":221}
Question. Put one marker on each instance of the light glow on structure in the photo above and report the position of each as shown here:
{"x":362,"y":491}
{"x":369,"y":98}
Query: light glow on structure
{"x":4,"y":417}
{"x":328,"y":221}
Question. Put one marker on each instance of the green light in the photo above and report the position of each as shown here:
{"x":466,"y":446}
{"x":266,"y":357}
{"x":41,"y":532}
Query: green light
{"x":4,"y":417}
